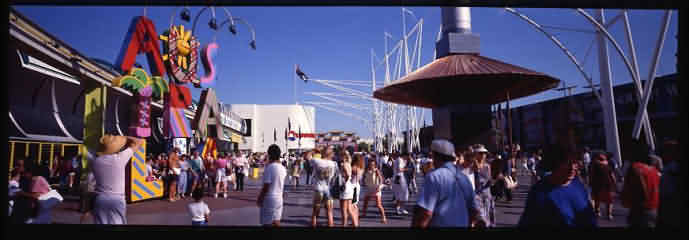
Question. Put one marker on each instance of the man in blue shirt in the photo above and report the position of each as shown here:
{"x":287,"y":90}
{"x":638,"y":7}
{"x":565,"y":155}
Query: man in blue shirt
{"x":446,"y":199}
{"x":560,"y":199}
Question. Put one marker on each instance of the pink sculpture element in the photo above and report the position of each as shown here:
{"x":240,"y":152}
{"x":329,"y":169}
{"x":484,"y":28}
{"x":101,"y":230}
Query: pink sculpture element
{"x":208,"y":65}
{"x":140,"y":120}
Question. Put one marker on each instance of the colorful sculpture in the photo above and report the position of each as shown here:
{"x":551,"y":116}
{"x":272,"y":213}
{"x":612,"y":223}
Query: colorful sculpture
{"x":208,"y":62}
{"x":175,"y":124}
{"x":141,"y":38}
{"x":137,"y":78}
{"x":207,"y":104}
{"x":180,"y":96}
{"x":142,"y":188}
{"x":181,"y":55}
{"x":144,"y":88}
{"x":209,"y":148}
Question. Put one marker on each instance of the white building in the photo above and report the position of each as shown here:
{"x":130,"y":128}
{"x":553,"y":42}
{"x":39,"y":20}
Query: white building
{"x":266,"y":124}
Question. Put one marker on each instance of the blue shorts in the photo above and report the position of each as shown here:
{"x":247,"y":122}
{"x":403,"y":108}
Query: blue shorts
{"x":199,"y":223}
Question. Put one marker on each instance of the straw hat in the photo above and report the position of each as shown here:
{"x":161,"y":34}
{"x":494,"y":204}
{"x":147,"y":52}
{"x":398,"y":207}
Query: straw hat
{"x":110,"y":144}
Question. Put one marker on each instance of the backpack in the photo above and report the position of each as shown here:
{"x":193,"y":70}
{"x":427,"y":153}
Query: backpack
{"x":337,"y":185}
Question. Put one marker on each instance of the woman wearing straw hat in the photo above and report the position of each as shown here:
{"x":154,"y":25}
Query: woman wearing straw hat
{"x":115,"y":152}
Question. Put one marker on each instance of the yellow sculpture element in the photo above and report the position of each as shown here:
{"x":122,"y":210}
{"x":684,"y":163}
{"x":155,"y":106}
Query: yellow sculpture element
{"x":183,"y":46}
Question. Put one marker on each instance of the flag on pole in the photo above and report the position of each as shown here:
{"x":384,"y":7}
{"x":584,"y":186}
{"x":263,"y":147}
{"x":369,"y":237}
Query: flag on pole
{"x":275,"y":135}
{"x":301,"y":74}
{"x":289,"y":125}
{"x":286,"y":133}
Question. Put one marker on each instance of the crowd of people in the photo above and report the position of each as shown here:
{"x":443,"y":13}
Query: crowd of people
{"x":182,"y":174}
{"x":460,"y":187}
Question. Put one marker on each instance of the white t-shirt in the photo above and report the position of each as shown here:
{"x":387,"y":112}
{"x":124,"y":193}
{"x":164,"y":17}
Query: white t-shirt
{"x":275,"y":174}
{"x":198,"y":210}
{"x":399,"y":164}
{"x":587,"y":158}
{"x":470,"y":175}
{"x":13,"y":187}
{"x":323,"y":171}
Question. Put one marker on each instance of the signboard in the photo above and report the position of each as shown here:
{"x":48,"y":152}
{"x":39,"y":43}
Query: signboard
{"x":181,"y":144}
{"x":232,"y":121}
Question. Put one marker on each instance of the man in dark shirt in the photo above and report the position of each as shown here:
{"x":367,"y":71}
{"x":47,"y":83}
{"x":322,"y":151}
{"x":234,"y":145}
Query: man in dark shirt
{"x":561,"y":199}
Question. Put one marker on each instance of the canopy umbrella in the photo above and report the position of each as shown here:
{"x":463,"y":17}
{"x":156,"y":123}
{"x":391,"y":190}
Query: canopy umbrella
{"x":465,"y":79}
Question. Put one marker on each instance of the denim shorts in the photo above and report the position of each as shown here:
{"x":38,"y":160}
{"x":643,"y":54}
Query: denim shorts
{"x":199,"y":223}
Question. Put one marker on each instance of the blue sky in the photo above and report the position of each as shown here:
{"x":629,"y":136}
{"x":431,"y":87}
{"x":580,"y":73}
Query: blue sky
{"x":334,"y":43}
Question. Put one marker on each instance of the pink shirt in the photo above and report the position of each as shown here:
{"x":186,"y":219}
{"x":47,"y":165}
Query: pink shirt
{"x":221,"y":163}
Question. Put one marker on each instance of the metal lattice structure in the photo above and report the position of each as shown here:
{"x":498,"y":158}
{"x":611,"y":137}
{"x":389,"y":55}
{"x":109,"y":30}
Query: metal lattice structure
{"x":386,"y":120}
{"x":605,"y":94}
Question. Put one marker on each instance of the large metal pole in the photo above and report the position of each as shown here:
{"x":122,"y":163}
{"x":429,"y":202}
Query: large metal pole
{"x":645,"y":120}
{"x":612,"y":141}
{"x":649,"y":85}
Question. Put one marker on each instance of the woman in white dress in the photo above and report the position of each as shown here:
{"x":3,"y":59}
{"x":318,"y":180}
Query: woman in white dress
{"x":348,"y":194}
{"x":357,"y":174}
{"x":399,"y":184}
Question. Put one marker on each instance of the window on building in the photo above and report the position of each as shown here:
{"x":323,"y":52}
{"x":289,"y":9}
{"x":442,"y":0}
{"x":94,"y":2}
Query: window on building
{"x":248,"y":127}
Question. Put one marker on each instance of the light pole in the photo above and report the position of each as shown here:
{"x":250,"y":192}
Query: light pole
{"x":231,"y":20}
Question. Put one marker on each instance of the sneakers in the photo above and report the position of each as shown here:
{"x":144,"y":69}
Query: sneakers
{"x":224,"y":195}
{"x":402,"y":212}
{"x":215,"y":195}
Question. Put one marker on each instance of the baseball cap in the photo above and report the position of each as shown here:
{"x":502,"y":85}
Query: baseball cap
{"x":444,"y":147}
{"x":479,"y":148}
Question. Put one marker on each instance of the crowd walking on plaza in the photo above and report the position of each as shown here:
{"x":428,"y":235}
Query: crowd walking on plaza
{"x":460,"y":188}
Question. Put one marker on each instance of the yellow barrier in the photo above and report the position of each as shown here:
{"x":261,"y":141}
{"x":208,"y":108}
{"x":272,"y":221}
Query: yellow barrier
{"x":39,"y":152}
{"x":140,"y":189}
{"x":254,"y":173}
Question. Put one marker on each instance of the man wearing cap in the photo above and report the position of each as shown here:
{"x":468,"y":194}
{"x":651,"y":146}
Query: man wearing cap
{"x":447,"y":198}
{"x":110,"y":206}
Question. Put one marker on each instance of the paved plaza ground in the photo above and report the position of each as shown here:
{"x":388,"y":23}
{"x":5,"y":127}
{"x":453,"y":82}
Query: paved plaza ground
{"x":239,"y":209}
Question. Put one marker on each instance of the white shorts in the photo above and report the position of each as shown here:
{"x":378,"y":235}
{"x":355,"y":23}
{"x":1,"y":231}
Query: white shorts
{"x":348,"y":192}
{"x":271,"y":210}
{"x":374,"y":191}
{"x":220,"y":175}
{"x":228,"y":178}
{"x":177,"y":171}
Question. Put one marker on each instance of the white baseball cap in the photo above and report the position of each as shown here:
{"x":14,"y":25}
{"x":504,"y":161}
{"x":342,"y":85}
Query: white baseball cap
{"x":480,"y":148}
{"x":444,"y":147}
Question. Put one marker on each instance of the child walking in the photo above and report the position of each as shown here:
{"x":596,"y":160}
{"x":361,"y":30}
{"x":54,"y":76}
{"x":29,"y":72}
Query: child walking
{"x":199,"y":211}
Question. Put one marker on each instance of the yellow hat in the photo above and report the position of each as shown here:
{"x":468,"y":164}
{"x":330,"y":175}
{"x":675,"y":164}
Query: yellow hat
{"x":110,"y":144}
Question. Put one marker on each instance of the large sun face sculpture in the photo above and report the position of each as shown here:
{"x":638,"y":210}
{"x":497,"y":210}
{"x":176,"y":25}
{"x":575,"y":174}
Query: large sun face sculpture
{"x":180,"y":50}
